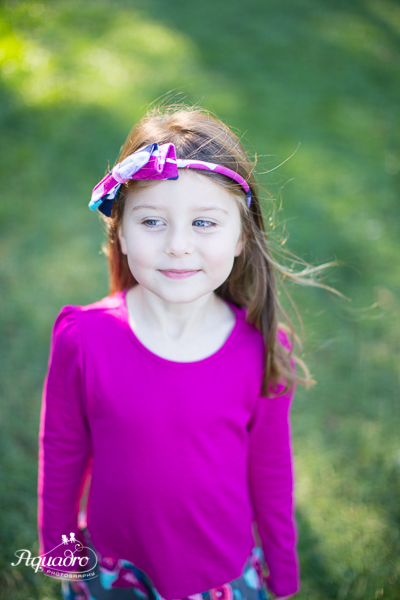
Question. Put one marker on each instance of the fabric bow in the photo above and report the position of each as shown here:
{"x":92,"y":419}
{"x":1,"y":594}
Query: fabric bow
{"x":153,"y":162}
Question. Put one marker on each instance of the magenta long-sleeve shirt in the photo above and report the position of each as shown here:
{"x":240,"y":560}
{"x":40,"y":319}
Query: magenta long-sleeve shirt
{"x":184,"y":456}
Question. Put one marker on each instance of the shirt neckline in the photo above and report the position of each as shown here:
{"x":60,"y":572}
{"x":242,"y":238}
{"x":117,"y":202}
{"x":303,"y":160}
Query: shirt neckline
{"x":174,"y":363}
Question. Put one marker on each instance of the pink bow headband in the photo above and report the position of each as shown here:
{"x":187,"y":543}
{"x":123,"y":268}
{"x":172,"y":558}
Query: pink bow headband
{"x":151,"y":163}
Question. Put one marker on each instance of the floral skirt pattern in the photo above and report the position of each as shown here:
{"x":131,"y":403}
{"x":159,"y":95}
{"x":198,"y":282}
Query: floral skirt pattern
{"x":122,"y":580}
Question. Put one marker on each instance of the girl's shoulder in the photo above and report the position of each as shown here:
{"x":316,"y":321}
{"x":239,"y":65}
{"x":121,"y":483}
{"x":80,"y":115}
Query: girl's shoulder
{"x":71,"y":317}
{"x":282,"y":337}
{"x":255,"y":334}
{"x":106,"y":304}
{"x":251,"y":346}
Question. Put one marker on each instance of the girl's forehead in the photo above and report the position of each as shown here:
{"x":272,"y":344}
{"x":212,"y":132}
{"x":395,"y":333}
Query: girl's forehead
{"x":190,"y":189}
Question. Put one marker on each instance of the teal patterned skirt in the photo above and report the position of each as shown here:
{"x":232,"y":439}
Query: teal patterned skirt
{"x":121,"y":580}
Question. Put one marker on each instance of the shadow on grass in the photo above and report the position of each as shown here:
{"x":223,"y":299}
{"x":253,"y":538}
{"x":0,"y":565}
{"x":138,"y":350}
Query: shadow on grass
{"x":316,"y":575}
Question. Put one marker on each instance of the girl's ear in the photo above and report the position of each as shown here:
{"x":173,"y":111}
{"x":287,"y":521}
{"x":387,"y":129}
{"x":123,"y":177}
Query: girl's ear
{"x":239,"y":245}
{"x":122,"y":240}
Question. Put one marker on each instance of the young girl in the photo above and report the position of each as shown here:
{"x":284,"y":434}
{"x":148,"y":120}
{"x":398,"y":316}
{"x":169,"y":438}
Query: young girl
{"x":174,"y":391}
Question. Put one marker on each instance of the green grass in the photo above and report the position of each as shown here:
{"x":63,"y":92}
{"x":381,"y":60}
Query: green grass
{"x":74,"y":77}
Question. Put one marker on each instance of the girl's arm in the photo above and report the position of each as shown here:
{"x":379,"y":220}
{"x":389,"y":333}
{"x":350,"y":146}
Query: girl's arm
{"x":271,"y":480}
{"x":64,"y":440}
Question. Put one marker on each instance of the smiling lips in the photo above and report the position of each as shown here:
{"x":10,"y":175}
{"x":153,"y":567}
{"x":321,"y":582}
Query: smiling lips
{"x":178,"y":273}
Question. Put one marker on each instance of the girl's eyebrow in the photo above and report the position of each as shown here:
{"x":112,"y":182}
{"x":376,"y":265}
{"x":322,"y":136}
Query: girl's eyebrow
{"x":196,"y":209}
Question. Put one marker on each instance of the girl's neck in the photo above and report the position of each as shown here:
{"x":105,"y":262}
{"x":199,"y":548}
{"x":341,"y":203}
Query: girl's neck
{"x":186,"y":332}
{"x":176,"y":322}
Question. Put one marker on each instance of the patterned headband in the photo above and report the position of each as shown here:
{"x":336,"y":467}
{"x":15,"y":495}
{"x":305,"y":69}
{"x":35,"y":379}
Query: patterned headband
{"x":151,"y":163}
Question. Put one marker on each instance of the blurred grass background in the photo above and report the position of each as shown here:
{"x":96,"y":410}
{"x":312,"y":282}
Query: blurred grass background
{"x":74,"y":77}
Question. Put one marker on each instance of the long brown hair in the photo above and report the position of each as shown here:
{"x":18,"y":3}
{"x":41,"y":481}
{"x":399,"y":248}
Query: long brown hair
{"x":252,"y":282}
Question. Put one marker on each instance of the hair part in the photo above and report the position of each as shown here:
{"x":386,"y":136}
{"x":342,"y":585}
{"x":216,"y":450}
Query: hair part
{"x":252,"y":282}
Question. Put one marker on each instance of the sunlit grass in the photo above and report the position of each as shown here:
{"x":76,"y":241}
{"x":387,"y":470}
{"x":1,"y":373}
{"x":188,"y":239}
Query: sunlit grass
{"x":103,"y":63}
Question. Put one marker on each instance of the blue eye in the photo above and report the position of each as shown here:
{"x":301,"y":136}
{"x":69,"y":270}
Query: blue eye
{"x":200,"y":223}
{"x":151,"y":222}
{"x":208,"y":224}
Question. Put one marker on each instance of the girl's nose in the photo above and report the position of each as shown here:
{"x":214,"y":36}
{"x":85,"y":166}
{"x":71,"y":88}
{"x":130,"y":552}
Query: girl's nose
{"x":178,"y":242}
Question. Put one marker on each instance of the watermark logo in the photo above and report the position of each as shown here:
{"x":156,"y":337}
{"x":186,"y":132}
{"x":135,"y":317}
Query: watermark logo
{"x":68,"y":560}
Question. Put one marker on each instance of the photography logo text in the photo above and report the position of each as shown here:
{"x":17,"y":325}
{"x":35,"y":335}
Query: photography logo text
{"x":68,"y":560}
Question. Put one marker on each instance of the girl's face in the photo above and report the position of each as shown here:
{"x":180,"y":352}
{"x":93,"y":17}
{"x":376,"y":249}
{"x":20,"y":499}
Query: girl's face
{"x":181,"y":237}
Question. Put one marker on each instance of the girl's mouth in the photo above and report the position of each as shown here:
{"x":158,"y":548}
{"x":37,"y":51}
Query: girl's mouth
{"x":178,"y":274}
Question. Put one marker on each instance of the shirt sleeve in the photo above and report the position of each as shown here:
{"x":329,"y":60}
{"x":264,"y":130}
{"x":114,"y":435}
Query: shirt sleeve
{"x":64,"y":439}
{"x":271,"y":479}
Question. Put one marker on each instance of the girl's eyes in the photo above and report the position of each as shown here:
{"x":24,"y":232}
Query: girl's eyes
{"x":201,"y":223}
{"x":206,"y":224}
{"x":151,"y":222}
